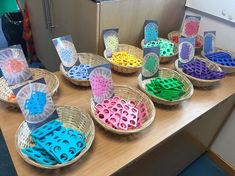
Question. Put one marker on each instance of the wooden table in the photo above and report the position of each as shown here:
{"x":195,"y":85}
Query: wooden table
{"x":110,"y":152}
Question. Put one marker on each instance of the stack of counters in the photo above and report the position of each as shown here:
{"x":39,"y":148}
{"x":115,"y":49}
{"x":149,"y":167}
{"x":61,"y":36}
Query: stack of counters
{"x":55,"y":144}
{"x":221,"y":58}
{"x":118,"y":113}
{"x":166,"y":46}
{"x":124,"y":59}
{"x":167,"y":88}
{"x":199,"y":69}
{"x":175,"y":39}
{"x":79,"y":72}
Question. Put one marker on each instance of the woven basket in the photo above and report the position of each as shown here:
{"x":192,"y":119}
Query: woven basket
{"x":201,"y":82}
{"x":178,"y":33}
{"x":50,"y":78}
{"x":72,"y":117}
{"x":168,"y":73}
{"x":137,"y":52}
{"x":85,"y":58}
{"x":128,"y":93}
{"x":226,"y":69}
{"x":165,"y":59}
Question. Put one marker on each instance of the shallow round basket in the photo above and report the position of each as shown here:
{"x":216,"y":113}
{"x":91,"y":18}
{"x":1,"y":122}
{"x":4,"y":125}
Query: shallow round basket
{"x":226,"y":69}
{"x":71,"y":117}
{"x":85,"y":58}
{"x":128,"y":93}
{"x":50,"y":78}
{"x":165,"y":59}
{"x":168,"y":73}
{"x":201,"y":82}
{"x":137,"y":52}
{"x":178,"y":33}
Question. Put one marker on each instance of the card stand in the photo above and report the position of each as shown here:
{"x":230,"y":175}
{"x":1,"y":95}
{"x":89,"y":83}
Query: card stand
{"x":39,"y":155}
{"x":124,"y":59}
{"x":46,"y":129}
{"x":79,"y":72}
{"x":219,"y":54}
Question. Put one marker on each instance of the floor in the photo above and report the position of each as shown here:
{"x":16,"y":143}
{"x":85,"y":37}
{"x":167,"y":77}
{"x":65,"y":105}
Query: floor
{"x":203,"y":166}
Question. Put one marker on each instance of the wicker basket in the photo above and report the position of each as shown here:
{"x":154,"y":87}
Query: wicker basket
{"x":71,"y":117}
{"x":201,"y":82}
{"x":137,"y":52}
{"x":226,"y":69}
{"x":168,"y":73}
{"x":178,"y":33}
{"x":50,"y":78}
{"x":85,"y":58}
{"x":128,"y":93}
{"x":165,"y":59}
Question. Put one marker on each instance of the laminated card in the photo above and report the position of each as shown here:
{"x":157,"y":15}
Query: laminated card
{"x":66,"y":51}
{"x":191,"y":26}
{"x":186,"y":49}
{"x":111,"y":41}
{"x":151,"y":62}
{"x":209,"y":42}
{"x":150,"y":31}
{"x":35,"y":103}
{"x":101,"y":82}
{"x":14,"y":65}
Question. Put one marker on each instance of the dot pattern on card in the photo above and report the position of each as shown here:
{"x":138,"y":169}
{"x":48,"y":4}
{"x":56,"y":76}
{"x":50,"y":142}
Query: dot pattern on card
{"x":118,"y":113}
{"x":35,"y":102}
{"x":35,"y":108}
{"x":166,"y":46}
{"x":191,"y":27}
{"x":101,"y":84}
{"x":55,"y":144}
{"x":166,"y":88}
{"x":79,"y":72}
{"x":150,"y":32}
{"x":186,"y":52}
{"x":199,"y":69}
{"x":14,"y":66}
{"x":111,"y":42}
{"x":151,"y":65}
{"x":67,"y":53}
{"x":125,"y":59}
{"x":209,"y":42}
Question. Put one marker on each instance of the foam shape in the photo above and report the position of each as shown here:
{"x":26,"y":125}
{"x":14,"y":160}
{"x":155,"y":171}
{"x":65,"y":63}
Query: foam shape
{"x":125,"y":59}
{"x":219,"y":54}
{"x":39,"y":155}
{"x":46,"y":129}
{"x":129,"y":117}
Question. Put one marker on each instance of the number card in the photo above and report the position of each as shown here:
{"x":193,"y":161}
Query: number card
{"x":209,"y":42}
{"x":101,"y":82}
{"x":151,"y":62}
{"x":111,"y":41}
{"x":66,"y":51}
{"x":14,"y":65}
{"x":191,"y":26}
{"x":35,"y":103}
{"x":150,"y":31}
{"x":186,"y":49}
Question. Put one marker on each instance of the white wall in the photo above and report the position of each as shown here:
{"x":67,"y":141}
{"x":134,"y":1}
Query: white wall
{"x":224,"y":144}
{"x":225,"y":30}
